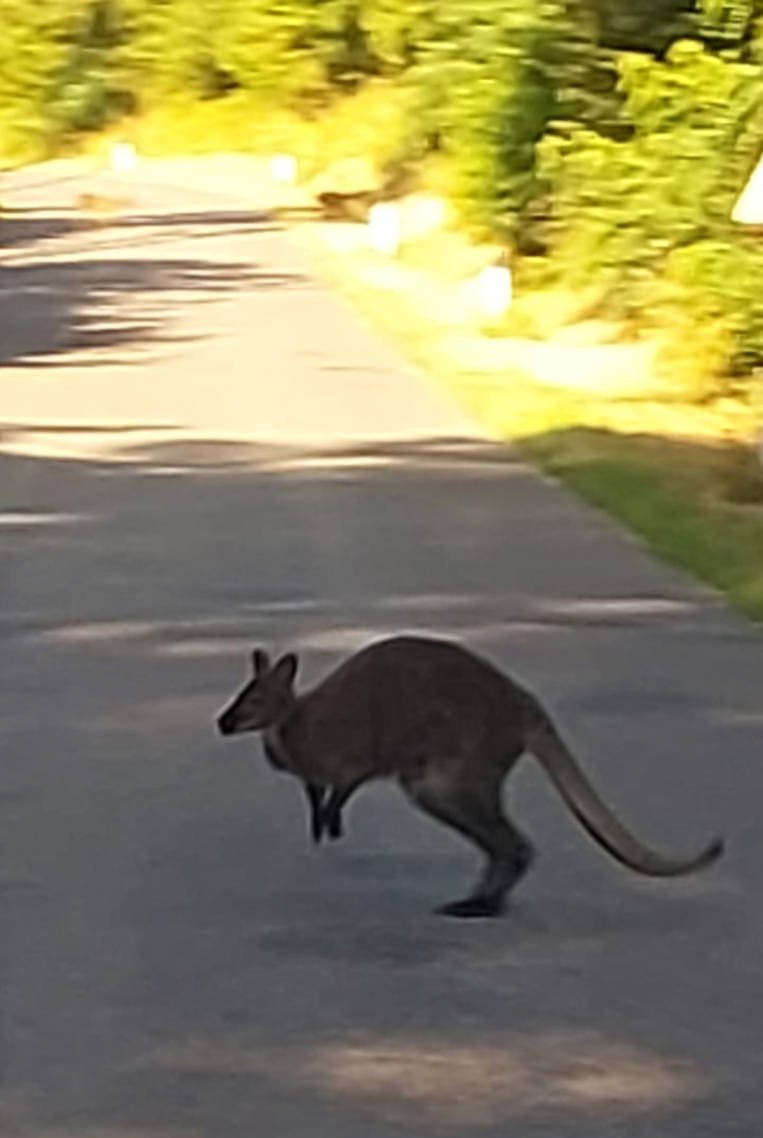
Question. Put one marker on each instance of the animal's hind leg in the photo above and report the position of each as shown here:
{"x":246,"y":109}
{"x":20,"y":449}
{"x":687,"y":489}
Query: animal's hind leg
{"x":474,"y":809}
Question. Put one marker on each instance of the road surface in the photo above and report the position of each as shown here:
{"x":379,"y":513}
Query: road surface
{"x":203,"y":451}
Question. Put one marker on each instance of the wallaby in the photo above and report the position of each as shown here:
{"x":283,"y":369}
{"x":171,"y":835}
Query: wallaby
{"x":100,"y":208}
{"x":449,"y":726}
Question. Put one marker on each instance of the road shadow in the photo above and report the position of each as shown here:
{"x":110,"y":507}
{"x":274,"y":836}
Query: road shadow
{"x":72,"y":287}
{"x":30,"y":226}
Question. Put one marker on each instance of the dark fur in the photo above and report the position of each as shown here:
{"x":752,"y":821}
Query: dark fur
{"x":449,"y":726}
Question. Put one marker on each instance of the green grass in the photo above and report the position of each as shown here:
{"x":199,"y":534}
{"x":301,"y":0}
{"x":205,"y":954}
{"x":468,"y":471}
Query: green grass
{"x":682,"y":498}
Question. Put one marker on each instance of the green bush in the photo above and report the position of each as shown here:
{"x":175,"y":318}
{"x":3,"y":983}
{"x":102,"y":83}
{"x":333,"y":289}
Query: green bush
{"x":711,"y":301}
{"x":290,"y":50}
{"x":55,"y":72}
{"x":648,"y":218}
{"x":484,"y":96}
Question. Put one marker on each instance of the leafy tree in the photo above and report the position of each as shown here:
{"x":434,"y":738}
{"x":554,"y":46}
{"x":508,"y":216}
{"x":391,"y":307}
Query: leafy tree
{"x":168,"y":49}
{"x":53,"y":69}
{"x":296,"y":47}
{"x":648,"y":218}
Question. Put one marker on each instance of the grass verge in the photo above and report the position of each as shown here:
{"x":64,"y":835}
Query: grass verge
{"x":698,"y":504}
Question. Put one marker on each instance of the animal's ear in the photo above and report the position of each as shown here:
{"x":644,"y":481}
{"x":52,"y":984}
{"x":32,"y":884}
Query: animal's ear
{"x":286,"y":669}
{"x":260,"y":662}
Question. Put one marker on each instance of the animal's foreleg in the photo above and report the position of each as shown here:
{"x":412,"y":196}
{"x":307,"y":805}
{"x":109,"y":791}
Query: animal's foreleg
{"x":315,"y":796}
{"x":332,"y":811}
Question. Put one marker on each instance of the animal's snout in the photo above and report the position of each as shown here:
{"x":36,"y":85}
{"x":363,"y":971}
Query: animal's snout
{"x":226,"y":724}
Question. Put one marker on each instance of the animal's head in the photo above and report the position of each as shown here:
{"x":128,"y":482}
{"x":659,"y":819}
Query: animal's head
{"x":265,"y":700}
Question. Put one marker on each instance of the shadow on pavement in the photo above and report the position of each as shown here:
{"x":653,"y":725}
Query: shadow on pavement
{"x":59,"y":302}
{"x":29,"y":225}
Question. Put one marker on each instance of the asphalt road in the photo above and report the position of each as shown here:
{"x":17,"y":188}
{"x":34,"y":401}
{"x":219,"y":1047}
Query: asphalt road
{"x":202,"y":451}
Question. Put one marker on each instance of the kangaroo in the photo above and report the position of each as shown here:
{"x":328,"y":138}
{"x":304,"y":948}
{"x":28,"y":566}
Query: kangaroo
{"x":449,"y":726}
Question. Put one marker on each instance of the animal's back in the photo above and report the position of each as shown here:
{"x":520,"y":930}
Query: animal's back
{"x":425,"y":665}
{"x":412,"y":693}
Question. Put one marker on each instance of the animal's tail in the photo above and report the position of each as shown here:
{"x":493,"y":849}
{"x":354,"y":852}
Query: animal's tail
{"x":595,"y":816}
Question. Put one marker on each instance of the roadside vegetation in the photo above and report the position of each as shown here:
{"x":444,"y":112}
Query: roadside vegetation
{"x":597,"y":146}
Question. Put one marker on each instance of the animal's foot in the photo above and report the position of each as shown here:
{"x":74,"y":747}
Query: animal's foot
{"x":472,"y":907}
{"x":334,"y":828}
